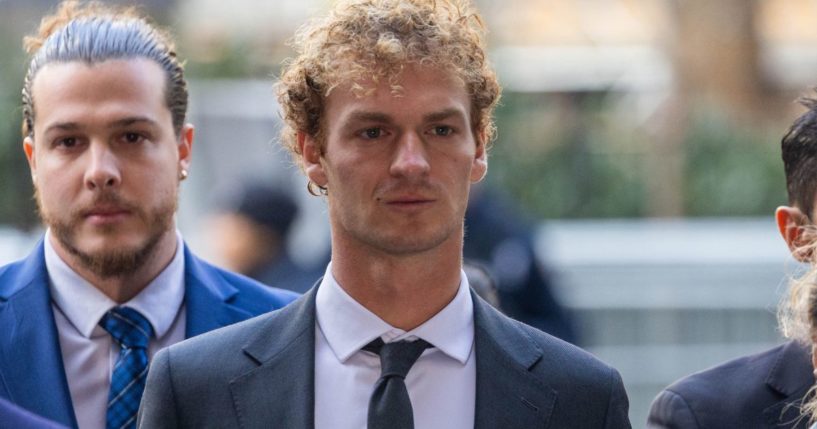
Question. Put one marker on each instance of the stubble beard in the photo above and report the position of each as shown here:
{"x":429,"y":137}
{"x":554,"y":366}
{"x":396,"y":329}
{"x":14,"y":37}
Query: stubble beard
{"x":404,"y":242}
{"x":116,"y":262}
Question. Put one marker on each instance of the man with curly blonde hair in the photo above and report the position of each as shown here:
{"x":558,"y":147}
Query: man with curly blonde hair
{"x":104,"y":131}
{"x":388,"y":108}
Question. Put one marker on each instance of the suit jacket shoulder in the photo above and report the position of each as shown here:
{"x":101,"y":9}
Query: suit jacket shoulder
{"x":253,"y":296}
{"x":763,"y":390}
{"x":567,"y":386}
{"x":262,"y":367}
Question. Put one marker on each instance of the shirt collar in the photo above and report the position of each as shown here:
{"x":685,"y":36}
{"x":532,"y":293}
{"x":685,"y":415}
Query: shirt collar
{"x":348,"y":325}
{"x":84,"y":305}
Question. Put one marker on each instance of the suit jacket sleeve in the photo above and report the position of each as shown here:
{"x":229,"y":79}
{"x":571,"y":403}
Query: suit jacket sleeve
{"x":158,"y":407}
{"x":670,"y":411}
{"x":617,"y":408}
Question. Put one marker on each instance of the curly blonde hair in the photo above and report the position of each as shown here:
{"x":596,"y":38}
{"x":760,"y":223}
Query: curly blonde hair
{"x":374,"y":40}
{"x":94,"y":32}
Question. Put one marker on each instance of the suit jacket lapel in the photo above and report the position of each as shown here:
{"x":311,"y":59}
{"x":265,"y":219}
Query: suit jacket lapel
{"x":280,"y":390}
{"x":207,"y":298}
{"x":507,"y":394}
{"x":791,"y":376}
{"x":31,"y":367}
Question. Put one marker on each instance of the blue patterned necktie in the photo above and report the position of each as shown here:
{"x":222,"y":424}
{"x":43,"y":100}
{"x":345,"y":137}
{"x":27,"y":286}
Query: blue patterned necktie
{"x":390,"y":405}
{"x":131,"y":331}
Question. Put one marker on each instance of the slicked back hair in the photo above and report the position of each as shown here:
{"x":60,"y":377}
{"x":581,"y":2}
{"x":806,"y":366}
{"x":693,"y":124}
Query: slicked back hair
{"x":93,"y":33}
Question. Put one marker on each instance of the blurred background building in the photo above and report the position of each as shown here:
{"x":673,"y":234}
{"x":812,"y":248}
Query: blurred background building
{"x":640,"y":136}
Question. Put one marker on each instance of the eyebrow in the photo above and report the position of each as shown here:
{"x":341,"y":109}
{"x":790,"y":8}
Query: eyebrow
{"x":366,"y":116}
{"x":132,"y":121}
{"x":443,"y":114}
{"x":124,"y":122}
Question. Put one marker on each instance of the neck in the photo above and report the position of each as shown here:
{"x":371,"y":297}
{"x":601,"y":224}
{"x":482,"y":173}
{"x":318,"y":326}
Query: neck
{"x":122,"y":288}
{"x":404,"y":291}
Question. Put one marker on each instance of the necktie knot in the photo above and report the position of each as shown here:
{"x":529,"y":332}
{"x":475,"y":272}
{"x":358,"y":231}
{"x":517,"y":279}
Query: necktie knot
{"x":397,"y":358}
{"x":127,"y":327}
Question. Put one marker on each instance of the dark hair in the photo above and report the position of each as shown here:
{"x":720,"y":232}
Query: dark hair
{"x":94,"y":33}
{"x":267,"y":206}
{"x":799,"y":147}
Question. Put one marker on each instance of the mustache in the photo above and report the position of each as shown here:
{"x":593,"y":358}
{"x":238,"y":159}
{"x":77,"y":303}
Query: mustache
{"x":107,"y":200}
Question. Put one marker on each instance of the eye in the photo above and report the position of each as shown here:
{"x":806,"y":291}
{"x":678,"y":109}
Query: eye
{"x":443,"y":130}
{"x":372,"y":133}
{"x":132,"y":138}
{"x":67,"y":143}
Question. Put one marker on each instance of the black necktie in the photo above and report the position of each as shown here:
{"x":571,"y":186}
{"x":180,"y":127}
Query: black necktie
{"x":390,"y":406}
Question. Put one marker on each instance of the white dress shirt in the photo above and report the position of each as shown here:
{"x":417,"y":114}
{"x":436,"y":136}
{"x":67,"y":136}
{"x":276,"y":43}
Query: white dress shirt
{"x":441,"y":384}
{"x":88,"y":351}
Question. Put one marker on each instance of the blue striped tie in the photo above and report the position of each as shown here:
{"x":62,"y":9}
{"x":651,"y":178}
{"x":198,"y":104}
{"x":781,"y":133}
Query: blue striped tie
{"x":131,"y":331}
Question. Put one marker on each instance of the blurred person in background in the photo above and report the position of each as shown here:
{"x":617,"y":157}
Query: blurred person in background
{"x":763,"y":390}
{"x":499,"y":239}
{"x":112,"y":281}
{"x":481,"y":282}
{"x":250,"y":236}
{"x":389,"y":110}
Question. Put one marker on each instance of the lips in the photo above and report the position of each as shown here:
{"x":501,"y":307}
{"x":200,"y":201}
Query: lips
{"x":106,"y":214}
{"x":409,"y":202}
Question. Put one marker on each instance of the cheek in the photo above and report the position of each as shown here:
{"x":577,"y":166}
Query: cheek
{"x":57,"y":184}
{"x":157,"y":174}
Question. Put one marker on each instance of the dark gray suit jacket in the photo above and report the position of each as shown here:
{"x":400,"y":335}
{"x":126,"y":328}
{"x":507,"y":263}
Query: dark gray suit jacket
{"x":260,"y":374}
{"x":761,"y":391}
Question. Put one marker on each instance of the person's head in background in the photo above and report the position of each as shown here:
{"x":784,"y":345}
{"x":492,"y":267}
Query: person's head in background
{"x":798,"y":312}
{"x":250,"y":233}
{"x":796,"y":220}
{"x":799,"y":152}
{"x":104,"y":105}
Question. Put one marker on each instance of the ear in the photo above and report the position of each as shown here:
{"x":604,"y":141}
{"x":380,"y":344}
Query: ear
{"x":28,"y":148}
{"x":791,"y":222}
{"x":480,"y":167}
{"x":186,"y":146}
{"x":312,"y":159}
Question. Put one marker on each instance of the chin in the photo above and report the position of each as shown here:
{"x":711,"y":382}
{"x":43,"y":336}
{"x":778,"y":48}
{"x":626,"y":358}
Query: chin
{"x":408,"y":242}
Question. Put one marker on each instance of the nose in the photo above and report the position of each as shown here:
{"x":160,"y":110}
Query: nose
{"x":411,"y":157}
{"x":103,"y":170}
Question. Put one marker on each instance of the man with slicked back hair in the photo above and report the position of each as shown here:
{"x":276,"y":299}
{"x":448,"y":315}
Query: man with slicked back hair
{"x":112,"y":281}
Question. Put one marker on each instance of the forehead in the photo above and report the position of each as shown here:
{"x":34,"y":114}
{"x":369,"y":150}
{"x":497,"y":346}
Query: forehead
{"x":414,"y":92}
{"x":77,"y":91}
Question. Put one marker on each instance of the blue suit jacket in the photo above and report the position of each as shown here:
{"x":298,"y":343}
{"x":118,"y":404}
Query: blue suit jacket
{"x":31,"y":368}
{"x":260,"y":374}
{"x":14,"y":417}
{"x":758,"y":391}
